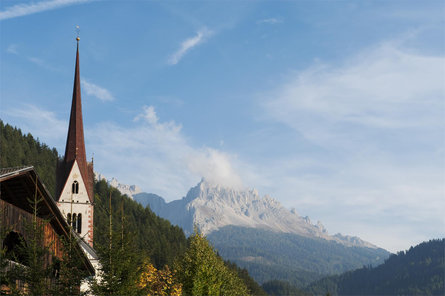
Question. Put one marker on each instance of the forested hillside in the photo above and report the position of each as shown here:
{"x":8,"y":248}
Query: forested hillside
{"x":152,"y":236}
{"x":418,"y":271}
{"x":147,"y":235}
{"x":289,"y":257}
{"x":18,"y":149}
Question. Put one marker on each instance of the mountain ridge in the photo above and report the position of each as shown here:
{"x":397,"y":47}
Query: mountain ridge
{"x":259,"y":234}
{"x":211,"y":207}
{"x":125,"y":189}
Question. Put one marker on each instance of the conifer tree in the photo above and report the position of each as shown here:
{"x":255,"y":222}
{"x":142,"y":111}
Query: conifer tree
{"x":119,"y":262}
{"x":202,"y":272}
{"x":70,"y":270}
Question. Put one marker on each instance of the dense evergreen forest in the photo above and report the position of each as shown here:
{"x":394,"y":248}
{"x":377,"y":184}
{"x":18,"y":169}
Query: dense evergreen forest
{"x":152,"y":236}
{"x":18,"y":149}
{"x":146,"y":235}
{"x":282,"y":288}
{"x":418,"y":271}
{"x":288,"y":257}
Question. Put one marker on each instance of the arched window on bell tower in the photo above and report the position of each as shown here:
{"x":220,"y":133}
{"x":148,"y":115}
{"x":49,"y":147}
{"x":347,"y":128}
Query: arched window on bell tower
{"x":74,"y":222}
{"x":68,"y":219}
{"x":79,"y":223}
{"x":75,"y":187}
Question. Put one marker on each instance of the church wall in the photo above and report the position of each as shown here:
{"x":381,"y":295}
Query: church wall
{"x":77,"y":203}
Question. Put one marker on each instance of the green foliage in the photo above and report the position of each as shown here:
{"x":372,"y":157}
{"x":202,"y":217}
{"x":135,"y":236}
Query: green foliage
{"x":253,"y":287}
{"x":153,"y":237}
{"x":282,"y":288}
{"x":119,"y":267}
{"x":18,"y":149}
{"x":289,"y":257}
{"x":202,"y":272}
{"x":419,"y":271}
{"x":71,"y":271}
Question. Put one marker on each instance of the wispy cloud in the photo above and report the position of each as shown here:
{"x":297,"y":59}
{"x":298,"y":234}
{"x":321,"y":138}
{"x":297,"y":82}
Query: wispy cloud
{"x":12,"y":48}
{"x":94,"y":90}
{"x":188,"y":44}
{"x":270,"y":21}
{"x":384,"y":87}
{"x":26,"y":9}
{"x":376,"y":120}
{"x":39,"y":122}
{"x":157,"y":156}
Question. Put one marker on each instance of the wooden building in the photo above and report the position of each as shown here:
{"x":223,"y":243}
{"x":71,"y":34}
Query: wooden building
{"x":18,"y":188}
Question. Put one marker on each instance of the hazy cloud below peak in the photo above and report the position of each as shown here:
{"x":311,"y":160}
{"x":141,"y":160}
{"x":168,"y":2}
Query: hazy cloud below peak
{"x":156,"y":156}
{"x":215,"y":167}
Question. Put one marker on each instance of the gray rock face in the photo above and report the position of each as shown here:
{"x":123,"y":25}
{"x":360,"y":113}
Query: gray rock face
{"x":211,"y":207}
{"x":129,"y":190}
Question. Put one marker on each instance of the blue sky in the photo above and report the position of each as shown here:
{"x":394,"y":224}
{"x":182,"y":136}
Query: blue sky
{"x":334,"y":108}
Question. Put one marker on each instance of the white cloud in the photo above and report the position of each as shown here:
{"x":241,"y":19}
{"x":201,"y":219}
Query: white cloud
{"x":149,"y":115}
{"x":37,"y":121}
{"x":96,"y":91}
{"x":385,"y":87}
{"x":376,"y":124}
{"x":215,"y":166}
{"x":270,"y":21}
{"x":188,"y":44}
{"x":26,"y":9}
{"x":156,"y":156}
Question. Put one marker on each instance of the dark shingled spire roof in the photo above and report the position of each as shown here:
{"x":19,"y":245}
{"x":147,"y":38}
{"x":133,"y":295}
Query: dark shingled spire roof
{"x":75,"y":144}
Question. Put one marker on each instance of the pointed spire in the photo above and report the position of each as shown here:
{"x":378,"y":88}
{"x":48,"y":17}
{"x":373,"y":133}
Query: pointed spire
{"x":75,"y":143}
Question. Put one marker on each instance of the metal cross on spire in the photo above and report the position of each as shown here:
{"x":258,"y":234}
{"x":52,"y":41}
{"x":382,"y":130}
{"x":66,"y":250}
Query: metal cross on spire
{"x":77,"y":33}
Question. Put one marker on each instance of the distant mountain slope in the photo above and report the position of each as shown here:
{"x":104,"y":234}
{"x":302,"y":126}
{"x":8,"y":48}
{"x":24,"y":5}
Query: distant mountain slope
{"x":258,"y":233}
{"x":211,"y":207}
{"x":128,"y":190}
{"x":286,"y":256}
{"x":418,"y":271}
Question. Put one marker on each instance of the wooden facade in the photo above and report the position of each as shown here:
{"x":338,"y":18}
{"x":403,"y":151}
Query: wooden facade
{"x":20,"y":221}
{"x":19,"y":187}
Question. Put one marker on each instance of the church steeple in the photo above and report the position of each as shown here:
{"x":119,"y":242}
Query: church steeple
{"x":75,"y":145}
{"x":75,"y":176}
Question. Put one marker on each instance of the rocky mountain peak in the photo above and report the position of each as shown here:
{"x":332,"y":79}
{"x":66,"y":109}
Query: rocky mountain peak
{"x":212,"y":207}
{"x":129,"y":190}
